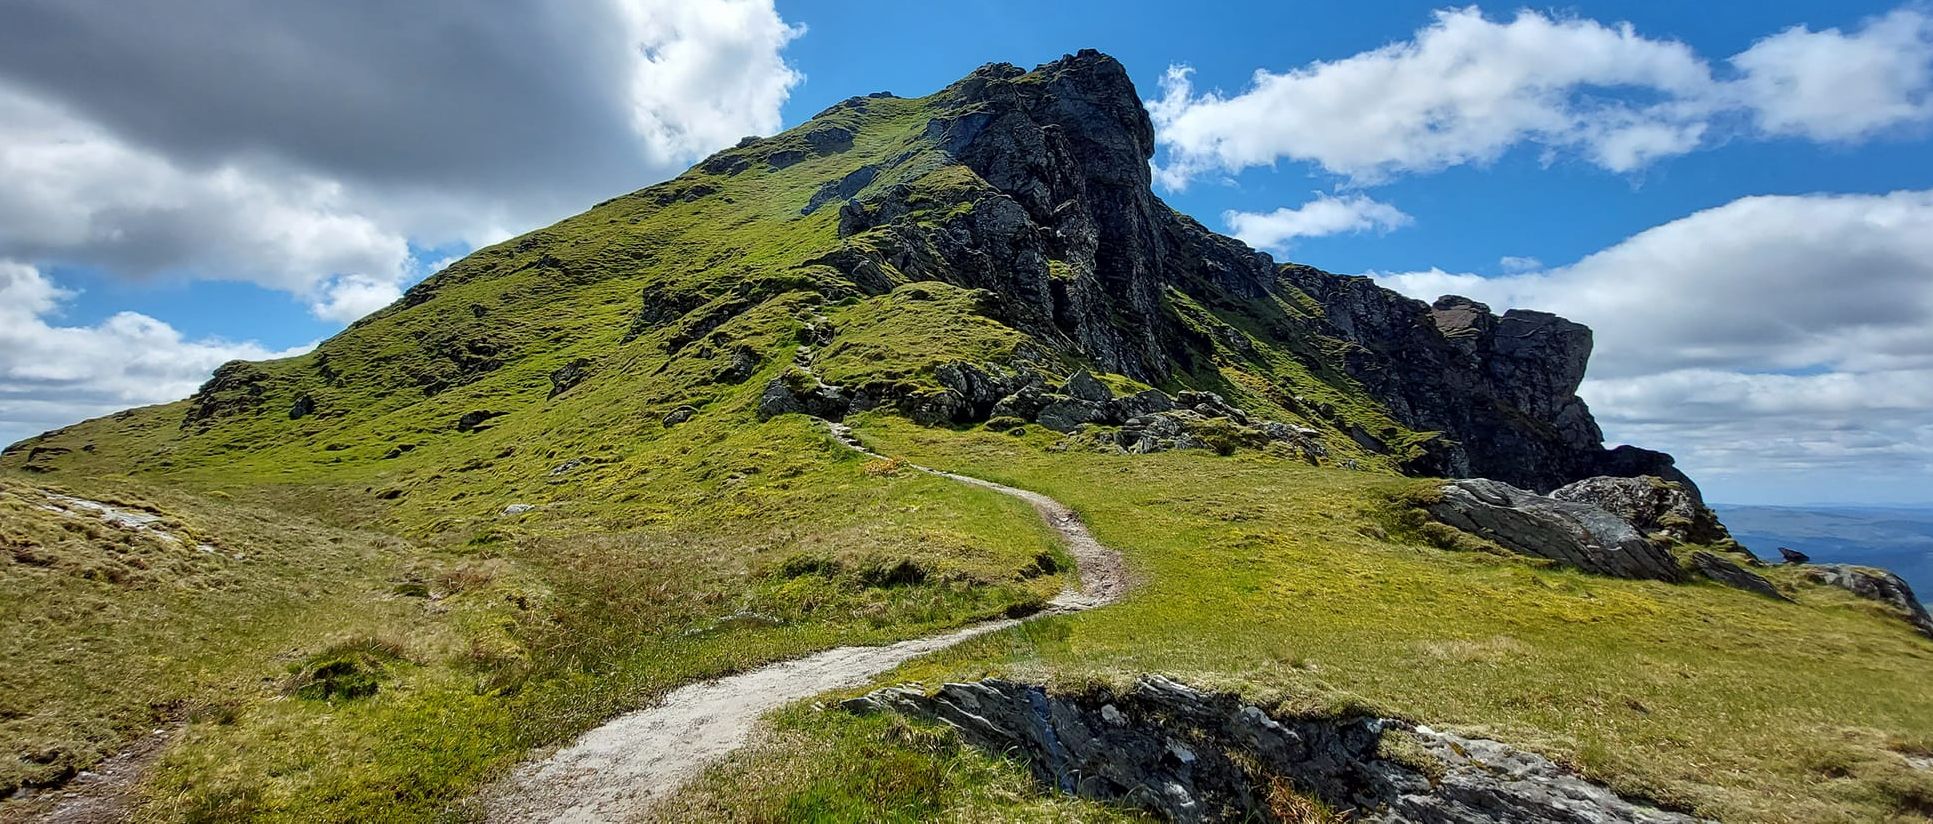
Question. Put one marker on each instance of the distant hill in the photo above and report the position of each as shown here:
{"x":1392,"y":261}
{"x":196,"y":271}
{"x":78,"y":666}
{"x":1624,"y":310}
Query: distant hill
{"x":1897,"y":538}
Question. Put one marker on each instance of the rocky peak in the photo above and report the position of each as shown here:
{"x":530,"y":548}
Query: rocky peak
{"x":1060,"y":225}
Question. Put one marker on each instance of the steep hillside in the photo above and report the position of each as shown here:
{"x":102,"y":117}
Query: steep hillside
{"x":570,"y":473}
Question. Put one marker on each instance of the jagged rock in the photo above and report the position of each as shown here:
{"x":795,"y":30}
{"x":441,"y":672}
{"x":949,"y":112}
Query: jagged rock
{"x":1210,"y":405}
{"x":841,"y":189}
{"x":236,"y":387}
{"x":1733,"y":575}
{"x":1578,"y":535}
{"x":570,"y":374}
{"x":1652,"y":504}
{"x":1876,"y":585}
{"x":1082,"y":385}
{"x":1062,"y":413}
{"x":679,"y":415}
{"x":741,"y":364}
{"x":1025,"y":403}
{"x":978,"y":389}
{"x":1158,"y":432}
{"x":518,"y":509}
{"x":1146,"y":402}
{"x":303,"y":407}
{"x":1793,"y":556}
{"x":801,"y":392}
{"x":1191,"y":756}
{"x":474,"y":420}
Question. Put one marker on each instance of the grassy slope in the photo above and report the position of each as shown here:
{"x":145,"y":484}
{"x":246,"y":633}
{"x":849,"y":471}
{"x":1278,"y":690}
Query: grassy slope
{"x":491,"y":633}
{"x":488,"y":633}
{"x":1304,"y":587}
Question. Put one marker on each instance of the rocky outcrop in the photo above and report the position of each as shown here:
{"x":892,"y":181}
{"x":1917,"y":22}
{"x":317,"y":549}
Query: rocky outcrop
{"x":1075,"y":250}
{"x":1190,"y":756}
{"x":1659,"y":508}
{"x":1877,"y":585}
{"x":1573,"y":534}
{"x":800,"y":391}
{"x":1730,"y":574}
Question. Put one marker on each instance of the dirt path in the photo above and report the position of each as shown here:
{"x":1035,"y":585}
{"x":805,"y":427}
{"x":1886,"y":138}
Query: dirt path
{"x":101,"y":794}
{"x":616,"y":771}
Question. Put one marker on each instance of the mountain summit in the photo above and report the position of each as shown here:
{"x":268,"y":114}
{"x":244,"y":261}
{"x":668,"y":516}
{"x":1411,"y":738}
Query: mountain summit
{"x":551,"y":533}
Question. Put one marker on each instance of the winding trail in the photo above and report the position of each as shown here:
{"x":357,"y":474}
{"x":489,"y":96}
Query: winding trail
{"x":617,"y":771}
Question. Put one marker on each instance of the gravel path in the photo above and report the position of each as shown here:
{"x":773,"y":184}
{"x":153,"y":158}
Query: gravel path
{"x":616,"y":771}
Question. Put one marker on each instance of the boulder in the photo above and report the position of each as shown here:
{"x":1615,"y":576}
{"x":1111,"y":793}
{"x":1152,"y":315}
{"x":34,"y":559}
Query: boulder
{"x":1877,"y":585}
{"x":1793,"y":556}
{"x":1146,"y":402}
{"x":1574,"y":534}
{"x":304,"y":406}
{"x":1082,"y":385}
{"x":679,"y":415}
{"x":802,"y":393}
{"x":570,"y":374}
{"x":1655,"y":506}
{"x":741,"y":363}
{"x":474,"y":420}
{"x":1730,"y":574}
{"x":1066,"y":414}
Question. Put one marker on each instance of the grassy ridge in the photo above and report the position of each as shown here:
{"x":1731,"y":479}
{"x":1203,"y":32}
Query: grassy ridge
{"x":1307,"y":588}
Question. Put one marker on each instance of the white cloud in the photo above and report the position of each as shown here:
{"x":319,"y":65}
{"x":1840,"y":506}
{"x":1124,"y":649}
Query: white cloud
{"x":1764,"y":335}
{"x":143,"y":139}
{"x":1832,"y":86}
{"x":1513,"y":263}
{"x":1325,"y":215}
{"x":52,"y":375}
{"x":1466,"y":89}
{"x":347,"y":298}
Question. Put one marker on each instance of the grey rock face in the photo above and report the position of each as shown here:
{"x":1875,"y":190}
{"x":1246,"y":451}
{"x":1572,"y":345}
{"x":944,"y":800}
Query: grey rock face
{"x":571,"y":374}
{"x":1731,"y":574}
{"x":1878,"y":585}
{"x":1066,"y":414}
{"x":811,"y":397}
{"x":1186,"y":755}
{"x":1084,"y":386}
{"x":1574,"y":534}
{"x":1652,"y":504}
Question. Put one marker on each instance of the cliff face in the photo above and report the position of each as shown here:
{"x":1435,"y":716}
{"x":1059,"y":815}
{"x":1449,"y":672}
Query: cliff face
{"x":1069,"y":236}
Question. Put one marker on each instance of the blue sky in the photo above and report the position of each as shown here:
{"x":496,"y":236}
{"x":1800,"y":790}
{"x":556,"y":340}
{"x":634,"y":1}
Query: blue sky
{"x":1768,"y":389}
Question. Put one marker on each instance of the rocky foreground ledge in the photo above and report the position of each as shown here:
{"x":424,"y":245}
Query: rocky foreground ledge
{"x":1192,"y":756}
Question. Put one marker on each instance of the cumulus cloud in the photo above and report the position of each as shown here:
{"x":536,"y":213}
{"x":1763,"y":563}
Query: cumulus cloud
{"x":1466,"y":89}
{"x":1770,"y":333}
{"x":306,"y":148}
{"x":52,"y":374}
{"x":1832,"y":86}
{"x":1325,"y":215}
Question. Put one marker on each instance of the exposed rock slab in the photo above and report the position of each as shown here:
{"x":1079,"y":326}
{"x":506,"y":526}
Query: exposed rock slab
{"x":1877,"y":585}
{"x":1193,"y":756}
{"x":1730,"y":574}
{"x":1574,"y":534}
{"x":1654,"y":505}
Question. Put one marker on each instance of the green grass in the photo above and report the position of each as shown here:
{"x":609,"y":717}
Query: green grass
{"x":889,"y":768}
{"x":1301,"y":587}
{"x":378,"y":637}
